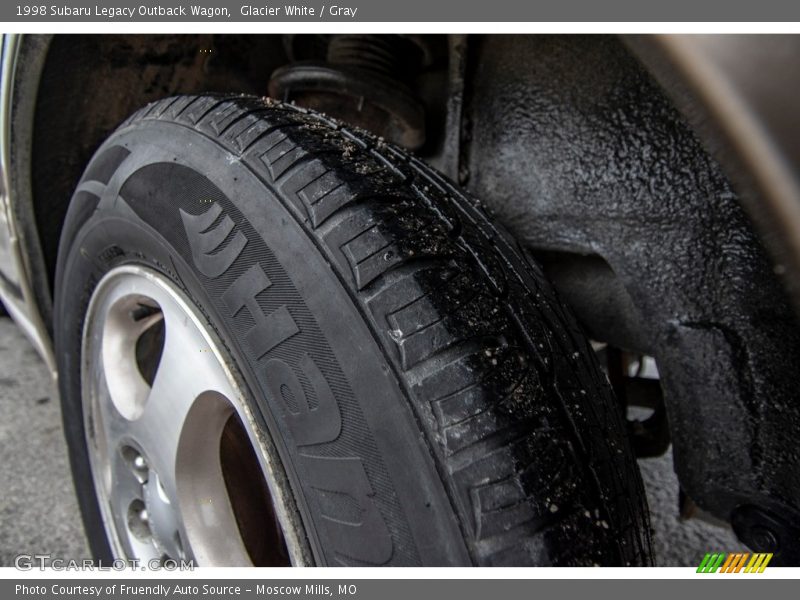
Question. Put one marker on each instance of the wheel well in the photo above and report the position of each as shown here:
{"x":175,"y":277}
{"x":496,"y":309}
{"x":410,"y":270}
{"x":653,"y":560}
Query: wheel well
{"x":90,"y":83}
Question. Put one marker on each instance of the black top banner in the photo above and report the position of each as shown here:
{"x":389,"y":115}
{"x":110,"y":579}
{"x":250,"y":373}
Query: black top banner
{"x":466,"y":11}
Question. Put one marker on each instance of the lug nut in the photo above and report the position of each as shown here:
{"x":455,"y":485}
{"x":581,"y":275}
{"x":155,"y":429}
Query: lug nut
{"x":136,"y":462}
{"x":138,"y":523}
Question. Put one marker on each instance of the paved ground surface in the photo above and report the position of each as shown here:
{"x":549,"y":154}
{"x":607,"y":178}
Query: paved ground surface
{"x":38,"y":512}
{"x":679,"y":543}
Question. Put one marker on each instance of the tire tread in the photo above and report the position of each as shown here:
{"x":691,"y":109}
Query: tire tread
{"x":504,"y":385}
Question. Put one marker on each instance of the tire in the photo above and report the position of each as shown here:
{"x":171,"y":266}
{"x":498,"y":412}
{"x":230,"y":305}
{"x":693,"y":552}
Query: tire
{"x":451,"y":411}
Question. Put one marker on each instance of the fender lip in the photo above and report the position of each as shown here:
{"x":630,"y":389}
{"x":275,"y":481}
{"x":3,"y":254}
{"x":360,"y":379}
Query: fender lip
{"x":16,"y":289}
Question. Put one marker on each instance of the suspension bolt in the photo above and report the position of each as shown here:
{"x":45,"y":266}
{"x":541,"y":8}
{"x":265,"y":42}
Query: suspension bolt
{"x":765,"y":531}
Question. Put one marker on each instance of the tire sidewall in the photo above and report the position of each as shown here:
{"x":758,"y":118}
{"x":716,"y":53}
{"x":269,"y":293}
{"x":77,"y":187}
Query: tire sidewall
{"x":381,"y":463}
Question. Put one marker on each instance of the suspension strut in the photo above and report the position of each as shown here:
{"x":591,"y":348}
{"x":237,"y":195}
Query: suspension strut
{"x":364,"y":80}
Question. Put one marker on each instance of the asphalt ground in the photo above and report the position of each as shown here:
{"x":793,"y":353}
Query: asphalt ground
{"x":39,"y":514}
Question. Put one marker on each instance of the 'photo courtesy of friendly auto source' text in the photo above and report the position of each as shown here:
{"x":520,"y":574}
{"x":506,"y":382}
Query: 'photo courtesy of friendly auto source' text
{"x":162,"y":590}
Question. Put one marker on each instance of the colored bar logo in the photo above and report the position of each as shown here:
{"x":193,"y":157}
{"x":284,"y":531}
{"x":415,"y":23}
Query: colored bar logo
{"x":734,"y":562}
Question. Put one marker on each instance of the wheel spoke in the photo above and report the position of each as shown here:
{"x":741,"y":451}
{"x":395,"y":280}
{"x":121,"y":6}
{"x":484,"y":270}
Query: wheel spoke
{"x":180,"y":378}
{"x":160,"y":425}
